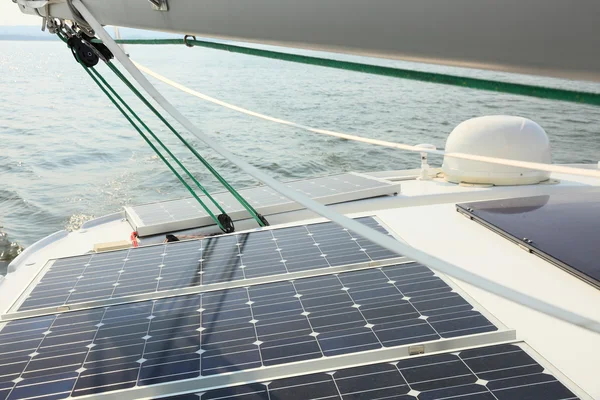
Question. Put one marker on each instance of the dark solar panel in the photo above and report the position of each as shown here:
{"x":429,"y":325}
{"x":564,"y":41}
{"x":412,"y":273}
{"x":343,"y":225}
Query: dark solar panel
{"x":560,"y":228}
{"x":183,"y":337}
{"x":202,"y":262}
{"x":502,"y":372}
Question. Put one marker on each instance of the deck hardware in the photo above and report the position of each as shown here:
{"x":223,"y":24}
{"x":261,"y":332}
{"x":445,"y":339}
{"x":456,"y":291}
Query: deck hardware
{"x":416,"y":350}
{"x":424,"y":174}
{"x":83,"y":51}
{"x":227,"y":223}
{"x":185,"y":40}
{"x":159,"y":5}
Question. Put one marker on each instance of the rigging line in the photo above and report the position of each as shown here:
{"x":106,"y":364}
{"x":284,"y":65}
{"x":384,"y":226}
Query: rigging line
{"x":188,"y":173}
{"x":226,"y":223}
{"x":493,"y":160}
{"x":94,"y":78}
{"x":350,"y":224}
{"x":540,"y":92}
{"x":223,"y":221}
{"x":253,"y":213}
{"x":165,"y":148}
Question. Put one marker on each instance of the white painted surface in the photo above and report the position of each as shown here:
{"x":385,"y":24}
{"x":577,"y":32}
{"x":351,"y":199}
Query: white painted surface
{"x":74,"y":243}
{"x":443,"y":232}
{"x":425,"y":217}
{"x":499,"y":136}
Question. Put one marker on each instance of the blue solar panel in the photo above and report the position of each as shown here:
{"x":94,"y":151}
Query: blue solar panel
{"x":171,"y":339}
{"x":501,"y":372}
{"x":202,"y":262}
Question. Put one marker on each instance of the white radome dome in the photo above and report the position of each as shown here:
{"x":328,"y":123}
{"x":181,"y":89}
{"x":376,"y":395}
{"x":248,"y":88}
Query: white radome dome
{"x":499,"y":136}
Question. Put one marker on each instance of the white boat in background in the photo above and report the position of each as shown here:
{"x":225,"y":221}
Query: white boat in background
{"x":475,"y":280}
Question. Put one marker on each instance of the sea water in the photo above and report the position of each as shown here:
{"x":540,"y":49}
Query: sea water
{"x":67,"y":155}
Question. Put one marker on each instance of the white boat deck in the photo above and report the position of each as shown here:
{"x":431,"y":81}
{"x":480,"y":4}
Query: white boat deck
{"x":424,"y":215}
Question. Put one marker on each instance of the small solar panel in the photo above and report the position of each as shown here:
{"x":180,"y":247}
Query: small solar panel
{"x":202,"y":262}
{"x":206,"y":334}
{"x":501,"y":372}
{"x":560,"y":228}
{"x":176,"y":215}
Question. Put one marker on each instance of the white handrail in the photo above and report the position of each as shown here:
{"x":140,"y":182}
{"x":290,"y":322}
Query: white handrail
{"x":374,"y":236}
{"x":493,"y":160}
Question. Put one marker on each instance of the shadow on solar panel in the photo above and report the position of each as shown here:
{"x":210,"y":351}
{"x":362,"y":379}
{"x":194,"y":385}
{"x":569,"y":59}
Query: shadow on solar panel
{"x":178,"y":265}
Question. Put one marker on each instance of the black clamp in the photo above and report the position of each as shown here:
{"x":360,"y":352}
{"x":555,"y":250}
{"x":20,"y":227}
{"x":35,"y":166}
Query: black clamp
{"x":226,"y":223}
{"x":185,"y":40}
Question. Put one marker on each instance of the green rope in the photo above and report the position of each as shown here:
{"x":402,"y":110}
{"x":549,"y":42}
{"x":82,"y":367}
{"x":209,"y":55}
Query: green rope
{"x":432,"y":77}
{"x":226,"y":184}
{"x":188,"y":173}
{"x":165,"y":148}
{"x":236,"y":195}
{"x":94,"y":78}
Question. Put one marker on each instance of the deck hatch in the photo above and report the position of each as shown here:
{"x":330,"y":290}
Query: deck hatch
{"x":562,"y":229}
{"x":202,"y":262}
{"x":154,"y":342}
{"x":177,"y":215}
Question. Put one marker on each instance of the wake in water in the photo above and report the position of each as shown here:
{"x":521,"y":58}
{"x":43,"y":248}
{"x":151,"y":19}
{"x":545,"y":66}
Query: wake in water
{"x":8,"y":251}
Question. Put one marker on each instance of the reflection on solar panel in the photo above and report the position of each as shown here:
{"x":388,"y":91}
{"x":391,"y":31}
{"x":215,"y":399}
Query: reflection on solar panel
{"x":171,"y":339}
{"x":183,"y":214}
{"x":202,"y":262}
{"x":502,"y":372}
{"x":532,"y":222}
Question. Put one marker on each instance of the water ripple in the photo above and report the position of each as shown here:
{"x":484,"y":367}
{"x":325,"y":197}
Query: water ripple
{"x":66,"y":154}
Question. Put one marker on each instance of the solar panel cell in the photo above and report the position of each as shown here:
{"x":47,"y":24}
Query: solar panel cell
{"x":206,"y":334}
{"x":256,"y":391}
{"x":436,"y":377}
{"x":201,"y":262}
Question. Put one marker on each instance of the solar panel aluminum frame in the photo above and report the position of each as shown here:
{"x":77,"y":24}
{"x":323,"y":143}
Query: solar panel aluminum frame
{"x":13,"y":314}
{"x":147,"y":230}
{"x":36,"y":279}
{"x":326,"y":364}
{"x":462,"y":209}
{"x":337,"y":362}
{"x":448,"y":281}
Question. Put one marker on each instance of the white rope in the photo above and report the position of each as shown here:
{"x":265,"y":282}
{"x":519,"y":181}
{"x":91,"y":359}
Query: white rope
{"x":500,"y":161}
{"x":354,"y":226}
